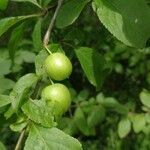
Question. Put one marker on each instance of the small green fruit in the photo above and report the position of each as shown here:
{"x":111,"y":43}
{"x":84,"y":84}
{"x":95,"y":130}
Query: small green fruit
{"x":58,"y":96}
{"x":58,"y":66}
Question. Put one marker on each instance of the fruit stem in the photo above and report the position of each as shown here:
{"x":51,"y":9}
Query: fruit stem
{"x":51,"y":81}
{"x":48,"y":50}
{"x":51,"y":25}
{"x":18,"y":145}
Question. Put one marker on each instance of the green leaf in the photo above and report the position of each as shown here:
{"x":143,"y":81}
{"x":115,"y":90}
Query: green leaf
{"x":113,"y":104}
{"x":2,"y":146}
{"x":36,"y":36}
{"x":74,"y":7}
{"x":75,"y":36}
{"x":41,"y":138}
{"x":67,"y":125}
{"x":4,"y":100}
{"x":147,"y":118}
{"x":124,"y":20}
{"x":81,"y":122}
{"x":39,"y":112}
{"x":6,"y":23}
{"x":139,"y":122}
{"x":6,"y":84}
{"x":9,"y":112}
{"x":124,"y":127}
{"x":100,"y":98}
{"x":109,"y":102}
{"x":83,"y":95}
{"x":31,"y":1}
{"x":20,"y":124}
{"x":3,"y":4}
{"x":16,"y":37}
{"x":145,"y":98}
{"x":39,"y":63}
{"x":5,"y":67}
{"x":121,"y":109}
{"x":96,"y":116}
{"x":22,"y":89}
{"x":17,"y":127}
{"x":26,"y":56}
{"x":46,"y":2}
{"x":92,"y":63}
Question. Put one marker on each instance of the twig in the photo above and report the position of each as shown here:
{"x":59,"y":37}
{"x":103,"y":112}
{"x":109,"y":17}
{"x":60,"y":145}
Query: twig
{"x":49,"y":30}
{"x":18,"y":145}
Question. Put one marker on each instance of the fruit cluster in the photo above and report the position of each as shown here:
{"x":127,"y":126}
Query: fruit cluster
{"x":58,"y":68}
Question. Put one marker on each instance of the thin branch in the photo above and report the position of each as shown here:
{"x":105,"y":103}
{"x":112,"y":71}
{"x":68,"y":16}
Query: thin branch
{"x":18,"y":145}
{"x":51,"y":25}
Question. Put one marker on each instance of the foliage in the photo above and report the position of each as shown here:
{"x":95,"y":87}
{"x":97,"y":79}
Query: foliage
{"x":108,"y":43}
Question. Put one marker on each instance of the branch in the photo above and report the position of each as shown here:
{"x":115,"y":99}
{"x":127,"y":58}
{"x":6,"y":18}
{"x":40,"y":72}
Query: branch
{"x":18,"y":145}
{"x":51,"y":25}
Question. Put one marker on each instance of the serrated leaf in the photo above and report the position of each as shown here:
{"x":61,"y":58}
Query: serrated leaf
{"x":39,"y":112}
{"x":6,"y":23}
{"x":21,"y":90}
{"x":41,"y":138}
{"x":92,"y":63}
{"x":145,"y":98}
{"x":4,"y":100}
{"x":6,"y":84}
{"x":96,"y":116}
{"x":36,"y":36}
{"x":3,"y":4}
{"x":124,"y":20}
{"x":31,"y":1}
{"x":139,"y":122}
{"x":124,"y":127}
{"x":74,"y":7}
{"x":14,"y":41}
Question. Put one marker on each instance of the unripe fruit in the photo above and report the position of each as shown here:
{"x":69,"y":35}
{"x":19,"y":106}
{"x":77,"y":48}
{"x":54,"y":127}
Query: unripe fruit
{"x":58,"y":66}
{"x":58,"y":96}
